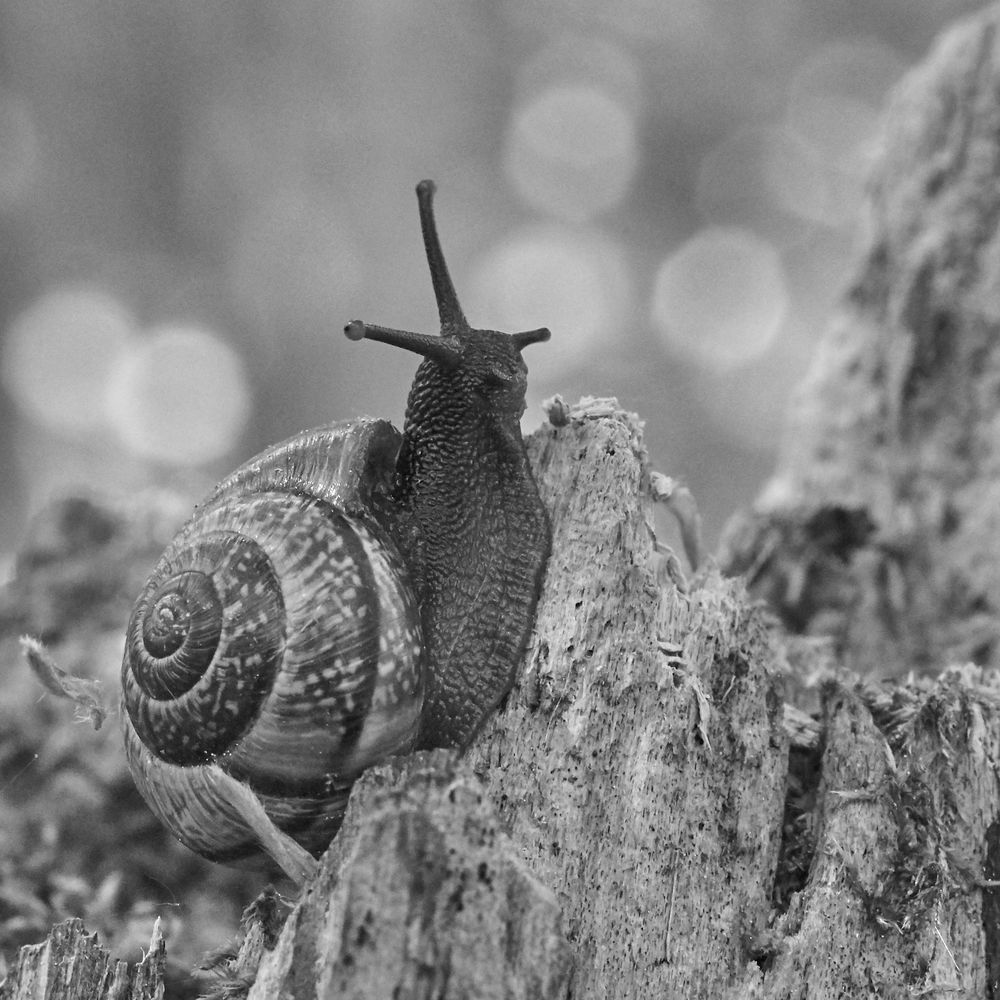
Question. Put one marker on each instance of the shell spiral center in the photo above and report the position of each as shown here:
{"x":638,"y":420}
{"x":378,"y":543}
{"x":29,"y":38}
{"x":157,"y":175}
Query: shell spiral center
{"x":203,"y":647}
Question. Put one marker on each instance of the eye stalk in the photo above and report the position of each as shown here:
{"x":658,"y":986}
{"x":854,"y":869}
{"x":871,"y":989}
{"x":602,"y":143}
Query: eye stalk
{"x":452,"y":318}
{"x":539,"y":336}
{"x":446,"y":353}
{"x":446,"y":350}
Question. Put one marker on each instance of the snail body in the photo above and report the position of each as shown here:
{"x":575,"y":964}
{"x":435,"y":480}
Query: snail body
{"x":346,"y":595}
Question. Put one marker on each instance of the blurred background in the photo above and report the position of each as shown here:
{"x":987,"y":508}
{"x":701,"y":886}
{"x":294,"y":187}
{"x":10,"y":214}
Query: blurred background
{"x":195,"y":197}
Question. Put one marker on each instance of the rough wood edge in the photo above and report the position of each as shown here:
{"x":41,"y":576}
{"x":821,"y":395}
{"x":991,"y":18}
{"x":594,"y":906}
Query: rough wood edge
{"x":71,"y":965}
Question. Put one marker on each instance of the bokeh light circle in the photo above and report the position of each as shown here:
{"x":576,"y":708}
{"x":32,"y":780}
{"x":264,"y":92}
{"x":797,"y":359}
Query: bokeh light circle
{"x":571,"y":150}
{"x":574,"y":283}
{"x":720,"y":299}
{"x":753,"y":171}
{"x":583,"y":59}
{"x":179,"y":395}
{"x":56,"y":357}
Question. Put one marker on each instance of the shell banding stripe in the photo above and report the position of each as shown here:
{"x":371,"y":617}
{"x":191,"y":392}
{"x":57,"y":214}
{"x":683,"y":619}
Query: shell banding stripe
{"x":297,"y":690}
{"x":203,"y":819}
{"x":348,"y":583}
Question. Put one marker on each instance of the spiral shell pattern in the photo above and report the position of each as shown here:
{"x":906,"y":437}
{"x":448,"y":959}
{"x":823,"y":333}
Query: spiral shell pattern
{"x":277,"y":638}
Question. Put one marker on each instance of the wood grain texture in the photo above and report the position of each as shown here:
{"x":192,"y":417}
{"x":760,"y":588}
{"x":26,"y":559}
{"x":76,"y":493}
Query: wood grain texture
{"x":422,"y":895}
{"x":641,"y":762}
{"x":72,"y":965}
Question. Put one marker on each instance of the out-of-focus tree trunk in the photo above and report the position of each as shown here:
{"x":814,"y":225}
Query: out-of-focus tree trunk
{"x":881,"y":524}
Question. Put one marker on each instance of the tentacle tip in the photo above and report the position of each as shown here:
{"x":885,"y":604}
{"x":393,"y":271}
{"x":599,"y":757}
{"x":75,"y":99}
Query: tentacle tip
{"x":426,"y":189}
{"x":539,"y":336}
{"x":355,"y":330}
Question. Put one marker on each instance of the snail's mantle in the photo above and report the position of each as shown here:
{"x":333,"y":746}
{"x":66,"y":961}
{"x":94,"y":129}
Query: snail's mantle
{"x":692,"y":793}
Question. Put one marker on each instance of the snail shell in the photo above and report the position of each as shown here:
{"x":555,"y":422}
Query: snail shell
{"x":278,"y":638}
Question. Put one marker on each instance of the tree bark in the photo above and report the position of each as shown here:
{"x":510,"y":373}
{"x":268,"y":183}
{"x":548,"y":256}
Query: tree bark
{"x":71,"y":965}
{"x":684,"y":796}
{"x":881,"y":524}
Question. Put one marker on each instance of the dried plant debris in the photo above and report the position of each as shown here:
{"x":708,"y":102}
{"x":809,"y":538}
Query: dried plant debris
{"x":85,"y":693}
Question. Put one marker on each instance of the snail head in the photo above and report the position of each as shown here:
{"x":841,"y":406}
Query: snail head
{"x":487,"y":361}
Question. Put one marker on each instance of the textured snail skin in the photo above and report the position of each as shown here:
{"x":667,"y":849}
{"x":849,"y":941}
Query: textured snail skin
{"x":479,"y":535}
{"x":346,"y":595}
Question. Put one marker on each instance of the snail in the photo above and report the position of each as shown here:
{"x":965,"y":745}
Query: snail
{"x":348,"y":594}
